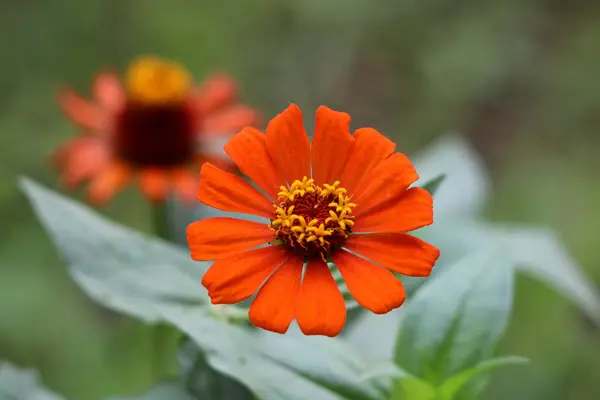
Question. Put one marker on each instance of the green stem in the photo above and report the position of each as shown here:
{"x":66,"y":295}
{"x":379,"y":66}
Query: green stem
{"x":160,"y":221}
{"x":164,"y":338}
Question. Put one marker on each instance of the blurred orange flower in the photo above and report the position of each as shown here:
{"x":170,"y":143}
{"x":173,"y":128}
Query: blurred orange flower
{"x":151,"y":125}
{"x":344,"y":199}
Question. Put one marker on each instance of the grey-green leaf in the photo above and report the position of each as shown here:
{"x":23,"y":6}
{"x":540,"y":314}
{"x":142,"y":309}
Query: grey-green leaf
{"x":535,"y":251}
{"x":455,"y":320}
{"x":452,"y":385}
{"x":157,"y":282}
{"x":22,"y":384}
{"x":433,"y":185}
{"x":466,"y":186}
{"x":162,"y":391}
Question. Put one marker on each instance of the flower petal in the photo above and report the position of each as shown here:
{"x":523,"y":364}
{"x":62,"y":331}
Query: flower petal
{"x":227,"y":192}
{"x":374,"y":287}
{"x":184,"y":184}
{"x":413,"y":210}
{"x":386,"y":181}
{"x":216,"y":92}
{"x":154,"y":184}
{"x":112,"y":178}
{"x":230,"y":120}
{"x":370,"y":149}
{"x":217,"y":160}
{"x":248,"y":149}
{"x":274,"y":307}
{"x":80,"y":111}
{"x":233,"y":279}
{"x":108,"y":91}
{"x":320,"y":309}
{"x":331,"y":145}
{"x":399,"y":252}
{"x":217,"y":238}
{"x":288,"y":144}
{"x":81,"y":158}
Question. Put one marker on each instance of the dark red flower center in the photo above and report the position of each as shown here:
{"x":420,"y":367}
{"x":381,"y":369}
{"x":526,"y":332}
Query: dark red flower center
{"x":161,"y":135}
{"x":313,"y":221}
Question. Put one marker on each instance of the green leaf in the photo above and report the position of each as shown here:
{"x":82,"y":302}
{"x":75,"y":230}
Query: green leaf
{"x":466,"y":186}
{"x":157,"y":282}
{"x":22,"y":384}
{"x":404,"y":384}
{"x":451,"y":386}
{"x":162,"y":391}
{"x":203,"y":381}
{"x":455,"y":320}
{"x":412,"y":389}
{"x":535,"y":251}
{"x":432,"y":185}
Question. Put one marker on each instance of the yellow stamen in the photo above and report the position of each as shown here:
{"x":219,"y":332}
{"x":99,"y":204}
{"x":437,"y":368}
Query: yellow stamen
{"x":312,"y":218}
{"x":332,"y":189}
{"x":151,"y":80}
{"x":284,"y":218}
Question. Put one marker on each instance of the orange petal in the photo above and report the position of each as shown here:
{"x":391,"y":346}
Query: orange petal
{"x":248,"y":149}
{"x":370,"y":149}
{"x":233,"y":279}
{"x":320,"y":309}
{"x":274,"y":307}
{"x":331,"y":145}
{"x":231,"y":119}
{"x":288,"y":144}
{"x":154,"y":183}
{"x":108,"y":182}
{"x":185,"y":184}
{"x":374,"y":287}
{"x":388,"y":180}
{"x":216,"y":238}
{"x":217,"y":160}
{"x":80,"y":111}
{"x":413,"y":210}
{"x":399,"y":252}
{"x":108,"y":91}
{"x":227,"y":192}
{"x":216,"y":92}
{"x":81,"y":158}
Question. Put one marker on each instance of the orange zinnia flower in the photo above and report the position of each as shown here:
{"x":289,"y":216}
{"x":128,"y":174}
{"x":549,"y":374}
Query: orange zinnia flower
{"x":152,"y":125}
{"x":345,"y":199}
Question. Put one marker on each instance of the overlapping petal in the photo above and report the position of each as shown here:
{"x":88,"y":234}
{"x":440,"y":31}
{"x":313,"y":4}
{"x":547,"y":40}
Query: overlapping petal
{"x":108,"y":91}
{"x":387,"y":181}
{"x":370,"y":148}
{"x":331,"y":145}
{"x":227,"y":192}
{"x":288,"y":144}
{"x":398,"y":252}
{"x":107,"y":182}
{"x":274,"y":307}
{"x":216,"y":92}
{"x":82,"y":112}
{"x":248,"y":149}
{"x":154,"y":183}
{"x":236,"y":278}
{"x":374,"y":287}
{"x":320,"y":308}
{"x":216,"y":238}
{"x":413,"y":210}
{"x":229,"y":120}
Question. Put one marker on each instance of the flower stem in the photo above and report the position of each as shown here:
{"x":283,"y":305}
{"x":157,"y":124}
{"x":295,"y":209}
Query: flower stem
{"x":164,"y":338}
{"x":160,"y":221}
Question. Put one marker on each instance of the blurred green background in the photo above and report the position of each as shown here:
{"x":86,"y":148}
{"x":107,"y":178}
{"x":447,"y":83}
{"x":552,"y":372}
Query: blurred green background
{"x":518,"y":77}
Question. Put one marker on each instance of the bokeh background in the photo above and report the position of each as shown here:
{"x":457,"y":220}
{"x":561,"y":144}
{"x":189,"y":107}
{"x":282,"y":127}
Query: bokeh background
{"x":519,"y":78}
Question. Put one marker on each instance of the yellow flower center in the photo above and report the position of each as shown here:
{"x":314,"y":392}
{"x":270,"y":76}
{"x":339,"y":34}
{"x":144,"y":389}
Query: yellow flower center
{"x":313,"y":220}
{"x":150,"y":80}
